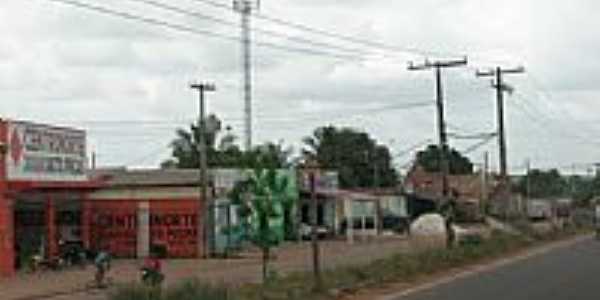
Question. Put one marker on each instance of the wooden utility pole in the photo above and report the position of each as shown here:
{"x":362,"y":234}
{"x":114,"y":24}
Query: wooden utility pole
{"x":443,"y":138}
{"x":500,"y":87}
{"x":484,"y":183}
{"x":203,"y":215}
{"x":315,"y":223}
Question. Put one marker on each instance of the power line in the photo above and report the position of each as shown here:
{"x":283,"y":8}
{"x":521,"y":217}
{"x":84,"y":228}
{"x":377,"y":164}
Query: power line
{"x":347,"y":38}
{"x":549,"y":103}
{"x":118,"y":123}
{"x":412,"y":148}
{"x":545,"y":124}
{"x":190,"y":30}
{"x":477,"y":136}
{"x":200,"y":15}
{"x":478,"y":145}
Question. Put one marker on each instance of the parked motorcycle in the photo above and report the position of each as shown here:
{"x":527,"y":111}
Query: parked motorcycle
{"x":151,"y":277}
{"x":73,"y":255}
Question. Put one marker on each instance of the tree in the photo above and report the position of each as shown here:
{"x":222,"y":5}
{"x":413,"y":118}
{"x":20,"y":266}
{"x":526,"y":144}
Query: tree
{"x":543,"y":184}
{"x":223,"y":152}
{"x":429,"y":159}
{"x":262,"y":200}
{"x":359,"y":160}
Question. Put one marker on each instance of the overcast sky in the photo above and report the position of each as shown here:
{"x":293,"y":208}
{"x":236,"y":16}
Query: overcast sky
{"x":126,"y":82}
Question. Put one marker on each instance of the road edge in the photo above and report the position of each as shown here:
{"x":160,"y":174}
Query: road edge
{"x":486,"y":267}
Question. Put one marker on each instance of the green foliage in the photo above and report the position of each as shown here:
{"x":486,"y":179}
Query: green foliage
{"x":429,"y":159}
{"x":543,"y":184}
{"x":187,"y":290}
{"x":135,"y":292}
{"x":262,"y":199}
{"x":584,"y":189}
{"x":354,"y":154}
{"x":196,"y":290}
{"x":223,"y":152}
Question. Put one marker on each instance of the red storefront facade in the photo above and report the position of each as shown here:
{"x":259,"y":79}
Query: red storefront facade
{"x":39,"y":166}
{"x":47,"y":195}
{"x":172,"y":224}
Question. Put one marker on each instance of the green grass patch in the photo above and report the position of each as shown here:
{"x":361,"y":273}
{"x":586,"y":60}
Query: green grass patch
{"x":187,"y":290}
{"x":397,"y":268}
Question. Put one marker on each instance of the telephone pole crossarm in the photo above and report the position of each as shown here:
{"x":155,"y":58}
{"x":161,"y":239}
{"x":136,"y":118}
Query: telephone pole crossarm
{"x":501,"y":87}
{"x":443,"y":138}
{"x":203,"y":214}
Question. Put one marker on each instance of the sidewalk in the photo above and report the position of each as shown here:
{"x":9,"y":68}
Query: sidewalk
{"x":69,"y":285}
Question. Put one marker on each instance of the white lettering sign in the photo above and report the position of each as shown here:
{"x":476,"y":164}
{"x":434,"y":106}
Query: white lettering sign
{"x":44,"y":153}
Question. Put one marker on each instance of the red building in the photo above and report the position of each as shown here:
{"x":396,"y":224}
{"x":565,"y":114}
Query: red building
{"x":42,"y":183}
{"x":136,"y":209}
{"x":47,"y":195}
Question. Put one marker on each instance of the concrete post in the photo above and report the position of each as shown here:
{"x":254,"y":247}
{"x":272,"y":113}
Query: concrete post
{"x":143,"y":236}
{"x":349,"y":221}
{"x":7,"y":250}
{"x":86,"y":216}
{"x":378,"y":217}
{"x":51,"y":230}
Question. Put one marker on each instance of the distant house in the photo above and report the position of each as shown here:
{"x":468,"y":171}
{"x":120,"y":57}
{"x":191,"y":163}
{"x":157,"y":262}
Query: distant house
{"x":468,"y":190}
{"x":369,"y":211}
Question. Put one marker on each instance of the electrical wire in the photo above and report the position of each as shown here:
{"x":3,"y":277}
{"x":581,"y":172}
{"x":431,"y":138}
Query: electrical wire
{"x":347,"y":38}
{"x":478,"y":136}
{"x":478,"y":145}
{"x":199,"y":15}
{"x":357,"y":111}
{"x":190,"y":30}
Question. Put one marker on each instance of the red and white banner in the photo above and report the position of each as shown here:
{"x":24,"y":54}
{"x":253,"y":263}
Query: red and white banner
{"x":45,"y":153}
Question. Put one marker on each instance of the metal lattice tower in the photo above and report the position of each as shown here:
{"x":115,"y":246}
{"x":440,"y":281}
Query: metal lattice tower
{"x":245,"y":8}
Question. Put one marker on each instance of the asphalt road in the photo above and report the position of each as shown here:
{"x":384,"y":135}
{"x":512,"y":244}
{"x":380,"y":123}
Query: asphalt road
{"x":569,"y":273}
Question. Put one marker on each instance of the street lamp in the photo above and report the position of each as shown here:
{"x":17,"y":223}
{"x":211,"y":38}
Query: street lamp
{"x":203,"y":225}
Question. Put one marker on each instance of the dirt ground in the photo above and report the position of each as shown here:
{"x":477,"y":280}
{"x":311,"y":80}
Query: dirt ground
{"x":70,"y":284}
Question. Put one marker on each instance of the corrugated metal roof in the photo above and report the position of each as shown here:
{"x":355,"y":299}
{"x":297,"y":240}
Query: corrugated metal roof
{"x":155,"y":177}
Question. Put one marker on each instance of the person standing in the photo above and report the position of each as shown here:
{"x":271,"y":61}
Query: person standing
{"x":103,"y":264}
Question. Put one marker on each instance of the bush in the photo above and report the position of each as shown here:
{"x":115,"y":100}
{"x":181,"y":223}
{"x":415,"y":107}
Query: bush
{"x":187,"y":290}
{"x":135,"y":292}
{"x":196,"y":290}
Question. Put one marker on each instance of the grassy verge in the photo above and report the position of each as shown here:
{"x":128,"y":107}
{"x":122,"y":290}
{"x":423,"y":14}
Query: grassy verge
{"x":395,"y":269}
{"x":187,"y":290}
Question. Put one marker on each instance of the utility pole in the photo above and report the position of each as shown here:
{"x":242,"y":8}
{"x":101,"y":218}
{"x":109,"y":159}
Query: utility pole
{"x":245,"y":8}
{"x":376,"y":185}
{"x":484,"y":183}
{"x":203,"y":215}
{"x":528,"y":163}
{"x":313,"y":169}
{"x":501,"y":87}
{"x":528,"y":186}
{"x":573,"y":174}
{"x":443,"y":138}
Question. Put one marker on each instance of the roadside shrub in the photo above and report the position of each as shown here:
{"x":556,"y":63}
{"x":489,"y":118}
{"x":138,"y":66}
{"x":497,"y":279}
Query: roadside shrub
{"x":187,"y":290}
{"x":196,"y":290}
{"x":135,"y":292}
